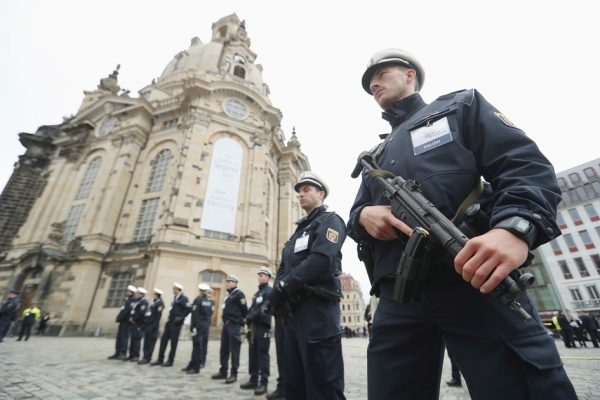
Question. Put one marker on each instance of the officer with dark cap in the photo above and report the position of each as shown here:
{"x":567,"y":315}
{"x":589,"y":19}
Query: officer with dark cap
{"x":138,"y":314}
{"x":151,"y":325}
{"x":125,"y":327}
{"x":307,"y":292}
{"x":209,"y":293}
{"x":447,"y":146}
{"x":235,"y":310}
{"x":8,"y":312}
{"x":259,"y":324}
{"x":180,"y":308}
{"x":202,"y":310}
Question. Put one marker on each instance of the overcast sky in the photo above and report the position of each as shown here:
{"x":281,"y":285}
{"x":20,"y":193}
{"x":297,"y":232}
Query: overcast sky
{"x":536,"y":61}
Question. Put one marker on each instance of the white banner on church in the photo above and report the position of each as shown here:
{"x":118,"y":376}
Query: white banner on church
{"x":220,"y":203}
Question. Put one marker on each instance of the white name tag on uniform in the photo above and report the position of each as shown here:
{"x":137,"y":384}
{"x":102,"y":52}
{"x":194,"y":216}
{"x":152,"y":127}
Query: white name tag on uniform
{"x":301,"y":243}
{"x":259,"y":299}
{"x":148,"y":313}
{"x":223,"y":306}
{"x":430,"y":137}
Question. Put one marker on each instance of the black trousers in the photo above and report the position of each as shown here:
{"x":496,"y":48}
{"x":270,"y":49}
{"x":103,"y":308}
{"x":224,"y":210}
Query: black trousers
{"x":171,"y":333}
{"x":137,"y":333}
{"x":197,"y":344}
{"x":486,"y":339}
{"x":231,"y":341}
{"x":25,"y":330}
{"x":4,"y":327}
{"x":455,"y":369}
{"x":594,"y":336}
{"x":204,"y":348}
{"x":150,"y":337}
{"x":280,"y":348}
{"x":258,"y":360}
{"x":123,"y":337}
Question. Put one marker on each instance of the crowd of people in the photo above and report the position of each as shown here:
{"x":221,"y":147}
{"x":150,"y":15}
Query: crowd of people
{"x":13,"y":320}
{"x":577,"y":328}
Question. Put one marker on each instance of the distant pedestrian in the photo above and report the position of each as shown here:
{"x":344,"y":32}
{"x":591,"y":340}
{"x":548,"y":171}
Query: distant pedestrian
{"x":30,"y":315}
{"x":577,"y":330}
{"x":567,"y":329}
{"x":180,"y":308}
{"x":124,"y":331}
{"x":151,"y":326}
{"x":43,"y":324}
{"x":591,"y":326}
{"x":8,"y":313}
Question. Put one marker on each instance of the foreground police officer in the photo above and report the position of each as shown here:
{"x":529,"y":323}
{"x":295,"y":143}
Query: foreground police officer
{"x":151,"y":325}
{"x":235,"y":310}
{"x":447,"y":146}
{"x":314,"y":368}
{"x":8,"y":312}
{"x":202,"y":310}
{"x":138,"y":314}
{"x":180,"y":308}
{"x":259,"y":325}
{"x":124,"y":331}
{"x":209,"y":293}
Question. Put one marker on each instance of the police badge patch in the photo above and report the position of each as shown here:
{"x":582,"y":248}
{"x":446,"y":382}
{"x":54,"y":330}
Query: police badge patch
{"x":243,"y":301}
{"x":143,"y":307}
{"x":160,"y":308}
{"x":194,"y":307}
{"x":332,"y":235}
{"x":505,"y":120}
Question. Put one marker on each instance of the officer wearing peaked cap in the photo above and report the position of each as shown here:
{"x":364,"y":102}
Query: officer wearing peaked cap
{"x":307,"y":285}
{"x":447,"y":146}
{"x":259,"y":324}
{"x":138,"y":314}
{"x":151,"y":325}
{"x":8,"y":312}
{"x":125,"y":327}
{"x":180,"y":308}
{"x":202,"y":310}
{"x":235,"y":310}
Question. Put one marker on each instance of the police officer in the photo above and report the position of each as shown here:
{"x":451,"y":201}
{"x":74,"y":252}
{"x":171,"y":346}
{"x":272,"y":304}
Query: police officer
{"x":138,"y":314}
{"x":125,"y":327}
{"x":202,"y":310}
{"x":8,"y":312}
{"x":447,"y":146}
{"x":180,"y":308}
{"x":235,"y":310}
{"x":307,"y":287}
{"x":259,"y":325}
{"x":209,"y":293}
{"x":151,"y":325}
{"x":279,"y":392}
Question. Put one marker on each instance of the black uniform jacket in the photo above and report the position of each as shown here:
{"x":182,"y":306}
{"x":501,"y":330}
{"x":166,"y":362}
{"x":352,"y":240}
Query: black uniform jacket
{"x":482,"y":142}
{"x":589,"y":323}
{"x":125,"y":311}
{"x":153,"y":315}
{"x":138,"y":311}
{"x":260,"y":311}
{"x":202,"y":310}
{"x":235,"y":307}
{"x":180,"y":308}
{"x":9,"y":309}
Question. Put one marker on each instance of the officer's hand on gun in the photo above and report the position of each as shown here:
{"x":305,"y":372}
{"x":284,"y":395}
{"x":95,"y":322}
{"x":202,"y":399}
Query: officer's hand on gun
{"x":279,"y":301}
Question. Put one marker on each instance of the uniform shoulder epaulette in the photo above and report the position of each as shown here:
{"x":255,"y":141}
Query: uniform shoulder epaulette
{"x":450,"y":95}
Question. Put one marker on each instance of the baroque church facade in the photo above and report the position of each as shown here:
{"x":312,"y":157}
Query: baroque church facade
{"x":189,"y":182}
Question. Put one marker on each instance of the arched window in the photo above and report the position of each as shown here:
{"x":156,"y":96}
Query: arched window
{"x":159,"y":171}
{"x":212,"y":277}
{"x":146,"y":218}
{"x":72,"y":222}
{"x":239,"y":71}
{"x":89,"y":178}
{"x":118,"y":288}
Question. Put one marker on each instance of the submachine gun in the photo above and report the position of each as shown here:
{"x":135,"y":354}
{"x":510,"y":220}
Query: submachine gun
{"x":429,"y":223}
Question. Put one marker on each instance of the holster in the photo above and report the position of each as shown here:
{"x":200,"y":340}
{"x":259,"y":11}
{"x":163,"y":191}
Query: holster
{"x":366,"y":255}
{"x":413,"y":268}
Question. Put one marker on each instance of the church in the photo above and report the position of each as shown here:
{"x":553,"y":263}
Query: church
{"x":188,"y":182}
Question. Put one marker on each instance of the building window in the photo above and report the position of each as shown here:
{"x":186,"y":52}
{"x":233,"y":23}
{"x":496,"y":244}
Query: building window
{"x":72,"y":222}
{"x":146,"y":95}
{"x":575,"y":216}
{"x":566,"y":197}
{"x":239,"y":71}
{"x":561,"y":221}
{"x":582,"y":269}
{"x":587,"y":240}
{"x":178,"y":63}
{"x":596,"y":186}
{"x":235,"y":109}
{"x":89,"y":178}
{"x":555,"y":247}
{"x":580,"y":190}
{"x":158,"y":173}
{"x":591,"y":212}
{"x":106,"y":127}
{"x":575,"y":294}
{"x":561,"y":182}
{"x":266,"y":231}
{"x":216,"y":235}
{"x":212,"y":277}
{"x":146,"y":218}
{"x":565,"y":269}
{"x":222,"y":31}
{"x":596,"y":260}
{"x":343,"y":307}
{"x":589,"y":172}
{"x":169,"y":123}
{"x":574,"y":177}
{"x":570,"y":242}
{"x":118,"y":288}
{"x":593,"y":292}
{"x":268,"y":199}
{"x":344,"y":319}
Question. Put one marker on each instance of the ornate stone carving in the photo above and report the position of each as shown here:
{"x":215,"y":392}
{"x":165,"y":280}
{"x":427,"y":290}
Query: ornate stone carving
{"x":57,"y":231}
{"x":110,"y":84}
{"x":72,"y":153}
{"x":75,"y":246}
{"x":294,"y":142}
{"x":261,"y":137}
{"x":195,"y":116}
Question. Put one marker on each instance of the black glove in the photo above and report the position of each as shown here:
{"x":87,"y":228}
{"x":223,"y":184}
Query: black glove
{"x":277,"y":297}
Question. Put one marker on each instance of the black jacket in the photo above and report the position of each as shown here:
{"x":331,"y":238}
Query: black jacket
{"x":125,"y":311}
{"x":235,"y":307}
{"x":202,"y":310}
{"x":564,"y":323}
{"x":9,"y":309}
{"x":153,"y":315}
{"x":180,"y":308}
{"x":138,"y":311}
{"x":589,"y":323}
{"x":260,"y":311}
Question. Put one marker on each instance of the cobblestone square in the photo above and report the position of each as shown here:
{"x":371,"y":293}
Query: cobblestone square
{"x":77,"y":368}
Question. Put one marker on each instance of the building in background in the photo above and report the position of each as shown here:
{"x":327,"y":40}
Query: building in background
{"x":188,"y":182}
{"x":574,"y":258}
{"x":352,"y":304}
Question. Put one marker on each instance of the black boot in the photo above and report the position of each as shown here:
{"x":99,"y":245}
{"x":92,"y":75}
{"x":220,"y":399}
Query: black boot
{"x":157,"y":362}
{"x":249,"y":385}
{"x":143,"y":361}
{"x":454,"y":382}
{"x":231,"y":379}
{"x":114,"y":356}
{"x":275,"y":395}
{"x":260,"y":389}
{"x":193,"y":371}
{"x":219,"y":375}
{"x":167,"y":364}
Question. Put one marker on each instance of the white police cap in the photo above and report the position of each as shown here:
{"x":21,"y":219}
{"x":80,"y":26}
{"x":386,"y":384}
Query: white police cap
{"x":265,"y":270}
{"x":203,"y":286}
{"x":311,"y":178}
{"x":178,"y":286}
{"x":142,"y":290}
{"x":132,"y":288}
{"x":209,"y":290}
{"x":232,"y":277}
{"x":158,"y":291}
{"x":392,"y":56}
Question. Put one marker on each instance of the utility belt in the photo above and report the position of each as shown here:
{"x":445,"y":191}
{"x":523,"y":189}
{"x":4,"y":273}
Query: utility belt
{"x":320,"y":292}
{"x":232,"y":321}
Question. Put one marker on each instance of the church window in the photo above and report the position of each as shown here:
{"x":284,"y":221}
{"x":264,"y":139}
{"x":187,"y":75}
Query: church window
{"x":106,"y":127}
{"x":268,"y":199}
{"x":118,"y":289}
{"x":72,"y":222}
{"x":222,"y":31}
{"x":239,"y":71}
{"x":146,"y":218}
{"x":178,"y":63}
{"x":146,"y":95}
{"x":89,"y":178}
{"x":170,"y":123}
{"x":212,"y":277}
{"x":216,"y":235}
{"x":266,"y":231}
{"x":235,"y":109}
{"x":158,"y":173}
